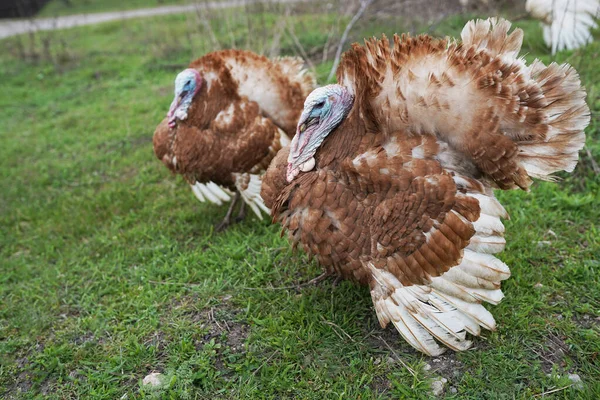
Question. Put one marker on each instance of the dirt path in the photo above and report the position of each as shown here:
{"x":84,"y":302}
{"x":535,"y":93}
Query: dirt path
{"x":20,"y":26}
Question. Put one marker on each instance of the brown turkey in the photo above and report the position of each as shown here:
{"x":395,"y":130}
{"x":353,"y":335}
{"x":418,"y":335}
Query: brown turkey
{"x":232,"y":111}
{"x":389,"y":180}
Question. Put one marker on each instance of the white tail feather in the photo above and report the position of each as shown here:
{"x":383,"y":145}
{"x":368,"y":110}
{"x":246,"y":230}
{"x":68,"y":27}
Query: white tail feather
{"x":210,"y":196}
{"x":218,"y":191}
{"x":490,"y":206}
{"x":249,"y":186}
{"x":487,"y":244}
{"x":211,"y":192}
{"x":197,"y":192}
{"x":473,"y":310}
{"x":488,"y":225}
{"x":450,"y":305}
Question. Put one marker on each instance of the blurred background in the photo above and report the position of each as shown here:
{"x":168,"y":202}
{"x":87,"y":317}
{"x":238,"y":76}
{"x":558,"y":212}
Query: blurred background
{"x":309,"y":29}
{"x":110,"y":270}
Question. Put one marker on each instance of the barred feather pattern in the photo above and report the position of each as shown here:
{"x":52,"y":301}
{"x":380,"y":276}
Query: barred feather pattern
{"x":511,"y":120}
{"x":245,"y":111}
{"x":401,"y":197}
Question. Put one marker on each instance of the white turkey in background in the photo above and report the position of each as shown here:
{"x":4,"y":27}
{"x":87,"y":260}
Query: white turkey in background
{"x":567,"y":24}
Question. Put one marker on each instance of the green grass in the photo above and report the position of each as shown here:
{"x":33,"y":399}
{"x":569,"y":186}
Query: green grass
{"x":61,"y":7}
{"x":110,"y":269}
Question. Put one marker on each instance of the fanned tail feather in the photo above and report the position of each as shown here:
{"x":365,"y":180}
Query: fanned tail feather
{"x":551,"y":102}
{"x":492,"y":35}
{"x":567,"y":115}
{"x":511,"y":120}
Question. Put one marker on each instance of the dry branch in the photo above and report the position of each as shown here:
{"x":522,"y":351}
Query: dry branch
{"x":278,"y":32}
{"x":363,"y":6}
{"x":201,"y":12}
{"x":299,"y":46}
{"x":408,"y":368}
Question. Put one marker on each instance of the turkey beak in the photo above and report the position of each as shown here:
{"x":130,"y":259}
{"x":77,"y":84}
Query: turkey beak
{"x":307,"y":123}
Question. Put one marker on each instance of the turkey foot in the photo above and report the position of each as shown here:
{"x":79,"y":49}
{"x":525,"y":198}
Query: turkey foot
{"x":227,"y":220}
{"x":336,"y":281}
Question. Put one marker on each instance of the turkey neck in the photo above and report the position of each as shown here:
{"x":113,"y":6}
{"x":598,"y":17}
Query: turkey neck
{"x":350,"y":138}
{"x":208,"y":103}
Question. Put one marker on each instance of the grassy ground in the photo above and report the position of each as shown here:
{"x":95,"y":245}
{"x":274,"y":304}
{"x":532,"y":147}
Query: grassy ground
{"x":110,"y":269}
{"x":68,"y":7}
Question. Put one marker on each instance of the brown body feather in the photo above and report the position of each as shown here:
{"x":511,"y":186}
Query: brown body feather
{"x":245,"y":111}
{"x":401,"y":197}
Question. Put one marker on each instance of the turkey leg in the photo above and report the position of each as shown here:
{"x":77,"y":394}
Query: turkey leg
{"x":242,"y":213}
{"x":227,"y":220}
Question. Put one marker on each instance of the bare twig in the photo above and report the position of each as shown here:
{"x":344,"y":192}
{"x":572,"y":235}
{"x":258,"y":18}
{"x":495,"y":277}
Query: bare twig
{"x":299,"y":46}
{"x":312,"y":282}
{"x":552,"y":391}
{"x":327,"y":44}
{"x":338,"y":54}
{"x":299,"y":286}
{"x":594,"y":164}
{"x":211,"y":318}
{"x":519,"y":17}
{"x":206,"y":23}
{"x":435,"y":23}
{"x":326,"y":322}
{"x":278,"y":32}
{"x":176,"y":283}
{"x":265,"y":362}
{"x":269,"y":288}
{"x":409,"y":369}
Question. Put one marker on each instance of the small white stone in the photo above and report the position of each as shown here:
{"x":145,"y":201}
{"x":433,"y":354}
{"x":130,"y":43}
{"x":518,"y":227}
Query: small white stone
{"x":154,"y":379}
{"x":577,"y":382}
{"x":426,"y":367}
{"x":453,"y":390}
{"x":538,"y":285}
{"x":437,"y":386}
